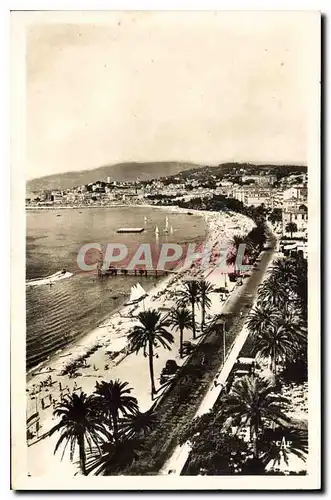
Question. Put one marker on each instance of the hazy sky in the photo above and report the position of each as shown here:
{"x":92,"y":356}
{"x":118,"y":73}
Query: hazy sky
{"x":200,"y":87}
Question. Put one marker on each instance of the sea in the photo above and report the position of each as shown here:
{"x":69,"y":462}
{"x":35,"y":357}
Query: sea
{"x":60,"y":314}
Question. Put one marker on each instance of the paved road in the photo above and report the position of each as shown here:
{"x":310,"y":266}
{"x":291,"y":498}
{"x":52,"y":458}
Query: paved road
{"x":180,"y":404}
{"x":178,"y":459}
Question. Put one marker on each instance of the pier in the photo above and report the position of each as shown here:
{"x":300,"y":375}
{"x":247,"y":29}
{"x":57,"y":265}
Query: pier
{"x":122,"y":271}
{"x":130,"y":230}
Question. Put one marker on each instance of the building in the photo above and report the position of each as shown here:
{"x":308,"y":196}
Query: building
{"x":299,"y":216}
{"x":261,"y":180}
{"x":297,"y":192}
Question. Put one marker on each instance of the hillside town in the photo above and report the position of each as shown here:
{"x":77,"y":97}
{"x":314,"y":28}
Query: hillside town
{"x":281,"y":194}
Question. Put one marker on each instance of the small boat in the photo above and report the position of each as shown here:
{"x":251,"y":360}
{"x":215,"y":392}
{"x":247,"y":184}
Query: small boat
{"x":157,"y":231}
{"x":171,"y":230}
{"x":137,"y":294}
{"x":58,"y":215}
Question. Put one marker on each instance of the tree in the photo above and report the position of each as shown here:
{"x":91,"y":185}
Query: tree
{"x":274,"y":343}
{"x":114,"y":398}
{"x":113,"y":456}
{"x":80,"y":423}
{"x":273,"y":291}
{"x":214,"y":448}
{"x":262,"y":318}
{"x":191,"y":293}
{"x":276,"y":215}
{"x":299,"y":284}
{"x":181,"y":318}
{"x":149,"y":335}
{"x":205,"y":288}
{"x":253,"y":402}
{"x":291,"y":227}
{"x":296,"y":368}
{"x":257,"y":236}
{"x":277,"y":445}
{"x":283,"y":271}
{"x":139,"y":424}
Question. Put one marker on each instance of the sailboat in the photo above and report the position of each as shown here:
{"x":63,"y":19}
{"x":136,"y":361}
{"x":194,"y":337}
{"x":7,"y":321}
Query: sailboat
{"x":137,"y":294}
{"x":166,"y":229}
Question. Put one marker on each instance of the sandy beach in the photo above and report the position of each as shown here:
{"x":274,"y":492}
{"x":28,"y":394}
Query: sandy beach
{"x":108,"y":357}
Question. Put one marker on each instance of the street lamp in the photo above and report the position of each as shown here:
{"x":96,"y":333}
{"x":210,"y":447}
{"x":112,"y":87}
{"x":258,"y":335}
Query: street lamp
{"x":221,"y":321}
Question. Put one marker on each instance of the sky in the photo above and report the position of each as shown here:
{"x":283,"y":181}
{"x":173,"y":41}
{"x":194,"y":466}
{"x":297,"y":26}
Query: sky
{"x":200,"y":87}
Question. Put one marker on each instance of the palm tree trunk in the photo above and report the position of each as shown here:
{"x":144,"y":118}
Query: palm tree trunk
{"x":82,"y":455}
{"x":203,"y":309}
{"x":274,"y":361}
{"x":115,"y":426}
{"x":151,"y":369}
{"x":255,"y":447}
{"x":193,"y":320}
{"x":181,"y":342}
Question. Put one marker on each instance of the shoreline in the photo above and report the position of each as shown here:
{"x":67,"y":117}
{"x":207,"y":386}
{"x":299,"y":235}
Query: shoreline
{"x":110,"y":336}
{"x":53,"y":358}
{"x":162,"y":282}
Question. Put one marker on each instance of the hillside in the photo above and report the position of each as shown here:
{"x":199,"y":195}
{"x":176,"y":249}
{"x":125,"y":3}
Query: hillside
{"x":118,"y":172}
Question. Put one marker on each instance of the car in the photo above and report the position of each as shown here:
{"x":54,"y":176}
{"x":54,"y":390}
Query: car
{"x":168,"y":371}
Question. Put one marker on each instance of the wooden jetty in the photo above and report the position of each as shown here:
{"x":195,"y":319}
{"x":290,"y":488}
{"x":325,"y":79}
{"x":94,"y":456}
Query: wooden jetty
{"x":121,"y":271}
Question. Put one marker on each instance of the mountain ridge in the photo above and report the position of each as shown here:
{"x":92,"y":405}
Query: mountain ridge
{"x":126,"y":171}
{"x":130,"y":171}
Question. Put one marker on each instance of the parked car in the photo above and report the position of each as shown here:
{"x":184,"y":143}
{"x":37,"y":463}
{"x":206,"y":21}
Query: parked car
{"x":168,"y":371}
{"x":245,"y":366}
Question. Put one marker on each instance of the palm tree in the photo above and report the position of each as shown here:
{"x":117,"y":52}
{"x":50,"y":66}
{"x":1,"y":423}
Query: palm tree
{"x":273,"y":291}
{"x":191,"y":293}
{"x":181,"y":318}
{"x":284,"y":270}
{"x":205,"y":289}
{"x":80,"y":422}
{"x":252,"y":401}
{"x":276,"y":344}
{"x":150,"y":334}
{"x":261,"y":318}
{"x":291,"y":227}
{"x":235,"y":242}
{"x":139,"y":424}
{"x":114,"y":398}
{"x":113,"y":457}
{"x":232,"y":254}
{"x":273,"y":446}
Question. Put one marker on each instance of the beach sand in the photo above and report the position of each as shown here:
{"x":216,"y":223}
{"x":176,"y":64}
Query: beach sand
{"x":111,"y":336}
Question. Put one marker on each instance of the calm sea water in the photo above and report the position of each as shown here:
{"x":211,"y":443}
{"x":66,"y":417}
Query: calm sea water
{"x":58,"y":314}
